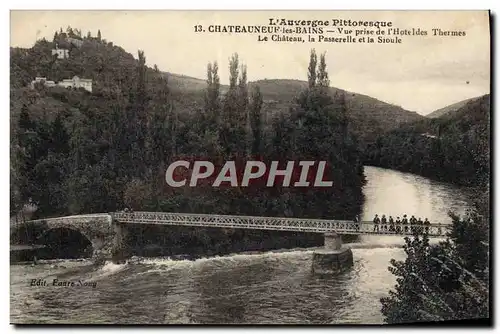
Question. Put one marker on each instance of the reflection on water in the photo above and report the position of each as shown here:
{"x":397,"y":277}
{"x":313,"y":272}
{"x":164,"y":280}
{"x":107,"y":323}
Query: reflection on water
{"x":269,"y":288}
{"x":395,"y":193}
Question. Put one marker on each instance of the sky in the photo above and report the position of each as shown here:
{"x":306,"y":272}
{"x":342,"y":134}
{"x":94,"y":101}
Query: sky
{"x":422,"y":74}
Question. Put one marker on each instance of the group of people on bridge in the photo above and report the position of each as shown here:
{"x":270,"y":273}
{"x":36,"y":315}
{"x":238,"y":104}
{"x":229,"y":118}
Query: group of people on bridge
{"x":400,"y":226}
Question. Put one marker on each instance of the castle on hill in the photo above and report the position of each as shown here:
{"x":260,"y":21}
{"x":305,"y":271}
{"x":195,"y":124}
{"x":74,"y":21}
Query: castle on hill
{"x":61,"y":53}
{"x":64,"y":53}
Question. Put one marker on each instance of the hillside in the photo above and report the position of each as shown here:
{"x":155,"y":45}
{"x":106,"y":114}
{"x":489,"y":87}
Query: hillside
{"x":112,"y":70}
{"x":451,"y":108}
{"x":79,"y":151}
{"x":368,"y":116}
{"x":454,"y":147}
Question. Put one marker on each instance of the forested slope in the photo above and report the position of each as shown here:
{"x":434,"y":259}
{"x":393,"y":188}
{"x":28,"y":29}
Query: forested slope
{"x":78,"y":152}
{"x":454,"y":147}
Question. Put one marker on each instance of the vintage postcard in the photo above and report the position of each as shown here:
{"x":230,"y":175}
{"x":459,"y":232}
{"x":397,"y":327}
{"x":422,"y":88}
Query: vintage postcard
{"x":250,"y":167}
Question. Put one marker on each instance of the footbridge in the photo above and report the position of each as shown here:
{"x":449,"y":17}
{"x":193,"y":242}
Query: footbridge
{"x":266,"y":223}
{"x":107,"y":231}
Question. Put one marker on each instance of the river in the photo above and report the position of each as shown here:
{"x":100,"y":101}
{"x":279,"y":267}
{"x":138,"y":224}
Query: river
{"x":265,"y":288}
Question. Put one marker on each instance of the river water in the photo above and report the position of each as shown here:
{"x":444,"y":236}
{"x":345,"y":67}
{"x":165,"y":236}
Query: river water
{"x":265,"y":288}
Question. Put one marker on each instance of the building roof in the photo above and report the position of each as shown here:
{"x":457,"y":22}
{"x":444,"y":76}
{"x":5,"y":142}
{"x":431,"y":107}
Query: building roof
{"x":76,"y":78}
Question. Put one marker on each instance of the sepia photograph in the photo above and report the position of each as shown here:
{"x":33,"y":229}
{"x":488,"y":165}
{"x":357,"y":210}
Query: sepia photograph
{"x":257,"y":167}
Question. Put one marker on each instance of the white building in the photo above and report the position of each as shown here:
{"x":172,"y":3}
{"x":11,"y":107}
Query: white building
{"x":43,"y":80}
{"x":74,"y":41}
{"x":76,"y":83}
{"x":61,"y":53}
{"x":428,"y":135}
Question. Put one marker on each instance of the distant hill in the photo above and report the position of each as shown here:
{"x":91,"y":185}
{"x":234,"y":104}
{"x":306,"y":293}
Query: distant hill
{"x":454,"y":147}
{"x":181,"y":82}
{"x":368,"y":116}
{"x":451,"y":108}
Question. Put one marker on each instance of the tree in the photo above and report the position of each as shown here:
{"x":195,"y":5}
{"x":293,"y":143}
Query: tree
{"x":212,"y":96}
{"x":25,"y":123}
{"x":441,"y":282}
{"x":23,"y":145}
{"x":137,"y":116}
{"x":212,"y":116}
{"x":173,"y":120}
{"x":25,"y":153}
{"x":322,"y":76}
{"x":282,"y":137}
{"x":59,"y":136}
{"x":233,"y":71}
{"x":311,"y":76}
{"x":470,"y":235}
{"x":15,"y":195}
{"x":243,"y":95}
{"x":454,"y":148}
{"x":243,"y":112}
{"x":256,"y":120}
{"x":159,"y":136}
{"x":316,"y":129}
{"x":233,"y":123}
{"x":138,"y":194}
{"x":99,"y":35}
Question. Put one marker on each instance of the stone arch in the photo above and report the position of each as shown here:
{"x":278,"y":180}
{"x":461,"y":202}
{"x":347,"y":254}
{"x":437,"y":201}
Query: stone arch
{"x":67,"y":242}
{"x":96,"y":228}
{"x":99,"y":229}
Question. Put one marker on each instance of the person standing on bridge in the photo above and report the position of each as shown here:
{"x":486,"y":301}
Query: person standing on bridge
{"x":398,"y":225}
{"x":413,"y":224}
{"x":405,"y":223}
{"x":427,"y":224}
{"x":376,"y":222}
{"x":391,"y":225}
{"x":420,"y":225}
{"x":384,"y":223}
{"x":357,"y":222}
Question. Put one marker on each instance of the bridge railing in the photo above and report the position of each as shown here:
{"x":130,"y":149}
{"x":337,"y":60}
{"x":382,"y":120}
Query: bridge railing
{"x":254,"y":222}
{"x":265,"y":223}
{"x":72,"y":218}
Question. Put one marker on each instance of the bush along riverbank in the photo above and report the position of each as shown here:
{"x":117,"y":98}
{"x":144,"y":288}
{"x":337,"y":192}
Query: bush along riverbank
{"x":448,"y":281}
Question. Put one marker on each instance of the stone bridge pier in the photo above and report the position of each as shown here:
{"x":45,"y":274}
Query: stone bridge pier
{"x":119,"y":246}
{"x":334,"y":258}
{"x":110,"y":241}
